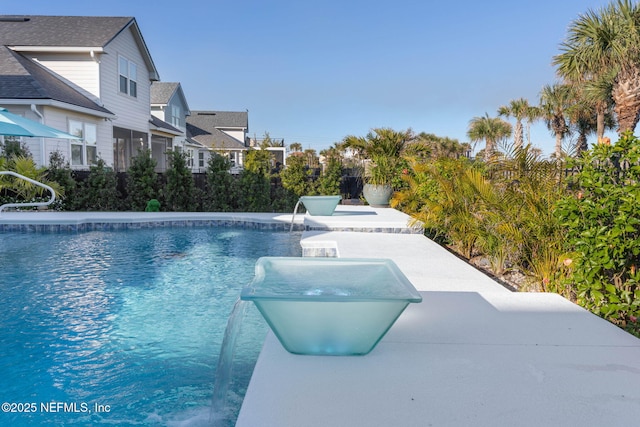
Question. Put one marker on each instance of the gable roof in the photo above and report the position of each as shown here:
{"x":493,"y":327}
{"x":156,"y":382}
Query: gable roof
{"x":30,"y":32}
{"x":78,"y":31}
{"x":161,"y":92}
{"x":204,"y":127}
{"x":220,"y":119}
{"x":23,"y":79}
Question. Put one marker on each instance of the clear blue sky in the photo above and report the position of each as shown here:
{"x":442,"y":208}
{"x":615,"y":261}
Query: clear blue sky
{"x":315,"y":71}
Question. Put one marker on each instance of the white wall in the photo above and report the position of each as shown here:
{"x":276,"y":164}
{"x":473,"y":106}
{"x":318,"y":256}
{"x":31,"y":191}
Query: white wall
{"x":132,"y":113}
{"x":237,"y":134}
{"x":41,"y":148}
{"x":78,"y":68}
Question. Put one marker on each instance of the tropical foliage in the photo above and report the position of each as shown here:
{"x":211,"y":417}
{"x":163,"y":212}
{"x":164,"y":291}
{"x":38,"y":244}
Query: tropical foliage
{"x":601,"y":219}
{"x":22,"y":190}
{"x":384,"y":150}
{"x":492,"y":130}
{"x":602,"y":50}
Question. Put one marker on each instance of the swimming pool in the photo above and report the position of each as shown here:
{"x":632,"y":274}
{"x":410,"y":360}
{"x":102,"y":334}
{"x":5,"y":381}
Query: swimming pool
{"x":126,"y":326}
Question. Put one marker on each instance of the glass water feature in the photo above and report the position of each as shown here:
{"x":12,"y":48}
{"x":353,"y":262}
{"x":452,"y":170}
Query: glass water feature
{"x":329,"y":306}
{"x":320,"y":205}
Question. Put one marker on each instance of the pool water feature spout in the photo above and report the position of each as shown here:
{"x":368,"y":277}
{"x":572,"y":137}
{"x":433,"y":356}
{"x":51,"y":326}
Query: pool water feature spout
{"x":219,"y":410}
{"x":293,"y":218}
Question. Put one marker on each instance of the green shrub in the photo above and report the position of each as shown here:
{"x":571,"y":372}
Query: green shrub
{"x":180,"y":189}
{"x":329,"y":182}
{"x":14,"y":147}
{"x":602,"y":224}
{"x":142,"y":181}
{"x":220,"y":185}
{"x":255,"y":183}
{"x":100,"y":191}
{"x":60,"y":172}
{"x":296,"y":177}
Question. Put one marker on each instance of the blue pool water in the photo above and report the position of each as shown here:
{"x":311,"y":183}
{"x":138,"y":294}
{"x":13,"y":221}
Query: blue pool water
{"x":125,"y":327}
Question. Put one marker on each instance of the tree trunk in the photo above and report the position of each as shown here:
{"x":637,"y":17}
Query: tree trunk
{"x":488,"y":150}
{"x":601,"y":108}
{"x":558,"y":150}
{"x":626,"y":96}
{"x":581,"y":143}
{"x":518,"y":135}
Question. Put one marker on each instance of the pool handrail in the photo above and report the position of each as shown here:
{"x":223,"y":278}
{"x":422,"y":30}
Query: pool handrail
{"x":31,"y":204}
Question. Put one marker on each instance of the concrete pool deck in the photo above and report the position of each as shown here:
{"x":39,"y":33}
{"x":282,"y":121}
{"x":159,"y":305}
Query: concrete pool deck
{"x":472,"y":353}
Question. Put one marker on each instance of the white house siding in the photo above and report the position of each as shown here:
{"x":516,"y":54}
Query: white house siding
{"x":132,"y":113}
{"x":158,"y":112}
{"x":61,"y":118}
{"x":176,"y":101}
{"x":237,"y":134}
{"x":41,"y":148}
{"x":35,"y":145}
{"x":78,"y":68}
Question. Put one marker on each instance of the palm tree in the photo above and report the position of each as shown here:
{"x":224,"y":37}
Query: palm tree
{"x":519,"y":109}
{"x":604,"y":45}
{"x":583,"y":119}
{"x":295,"y":147}
{"x":439,"y":147}
{"x":380,"y":142}
{"x":554,"y":101}
{"x":488,"y":129}
{"x":533,"y":114}
{"x":586,"y":117}
{"x":312,"y":158}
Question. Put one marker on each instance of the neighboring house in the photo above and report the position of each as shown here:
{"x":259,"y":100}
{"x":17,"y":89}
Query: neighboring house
{"x":224,"y":132}
{"x":89,"y":76}
{"x":169,"y":109}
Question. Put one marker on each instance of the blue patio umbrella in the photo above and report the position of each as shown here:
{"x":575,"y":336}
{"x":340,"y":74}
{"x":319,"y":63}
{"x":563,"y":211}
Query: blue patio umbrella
{"x":15,"y":125}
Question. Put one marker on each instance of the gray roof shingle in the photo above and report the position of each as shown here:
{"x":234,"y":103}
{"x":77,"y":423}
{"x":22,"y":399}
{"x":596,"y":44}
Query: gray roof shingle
{"x":204,"y":127}
{"x":82,"y":31}
{"x":220,"y":119}
{"x":21,"y":78}
{"x":161,"y":124}
{"x":161,"y":92}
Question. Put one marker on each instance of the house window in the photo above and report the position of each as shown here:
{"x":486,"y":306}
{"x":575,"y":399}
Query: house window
{"x":128,"y":81}
{"x":84,"y":152}
{"x":190,"y":158}
{"x":176,"y":112}
{"x":200,"y":159}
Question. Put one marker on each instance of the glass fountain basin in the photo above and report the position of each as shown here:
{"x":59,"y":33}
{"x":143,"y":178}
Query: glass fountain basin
{"x":329,"y":306}
{"x":320,"y":205}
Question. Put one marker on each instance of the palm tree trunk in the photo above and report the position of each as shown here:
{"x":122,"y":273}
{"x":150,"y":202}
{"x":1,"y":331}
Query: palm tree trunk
{"x":626,"y":95}
{"x":581,"y":143}
{"x":600,"y":113}
{"x":518,"y":135}
{"x":558,"y":150}
{"x":488,"y":150}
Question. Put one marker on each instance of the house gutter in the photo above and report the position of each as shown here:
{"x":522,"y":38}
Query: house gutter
{"x":59,"y":104}
{"x":43,"y":154}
